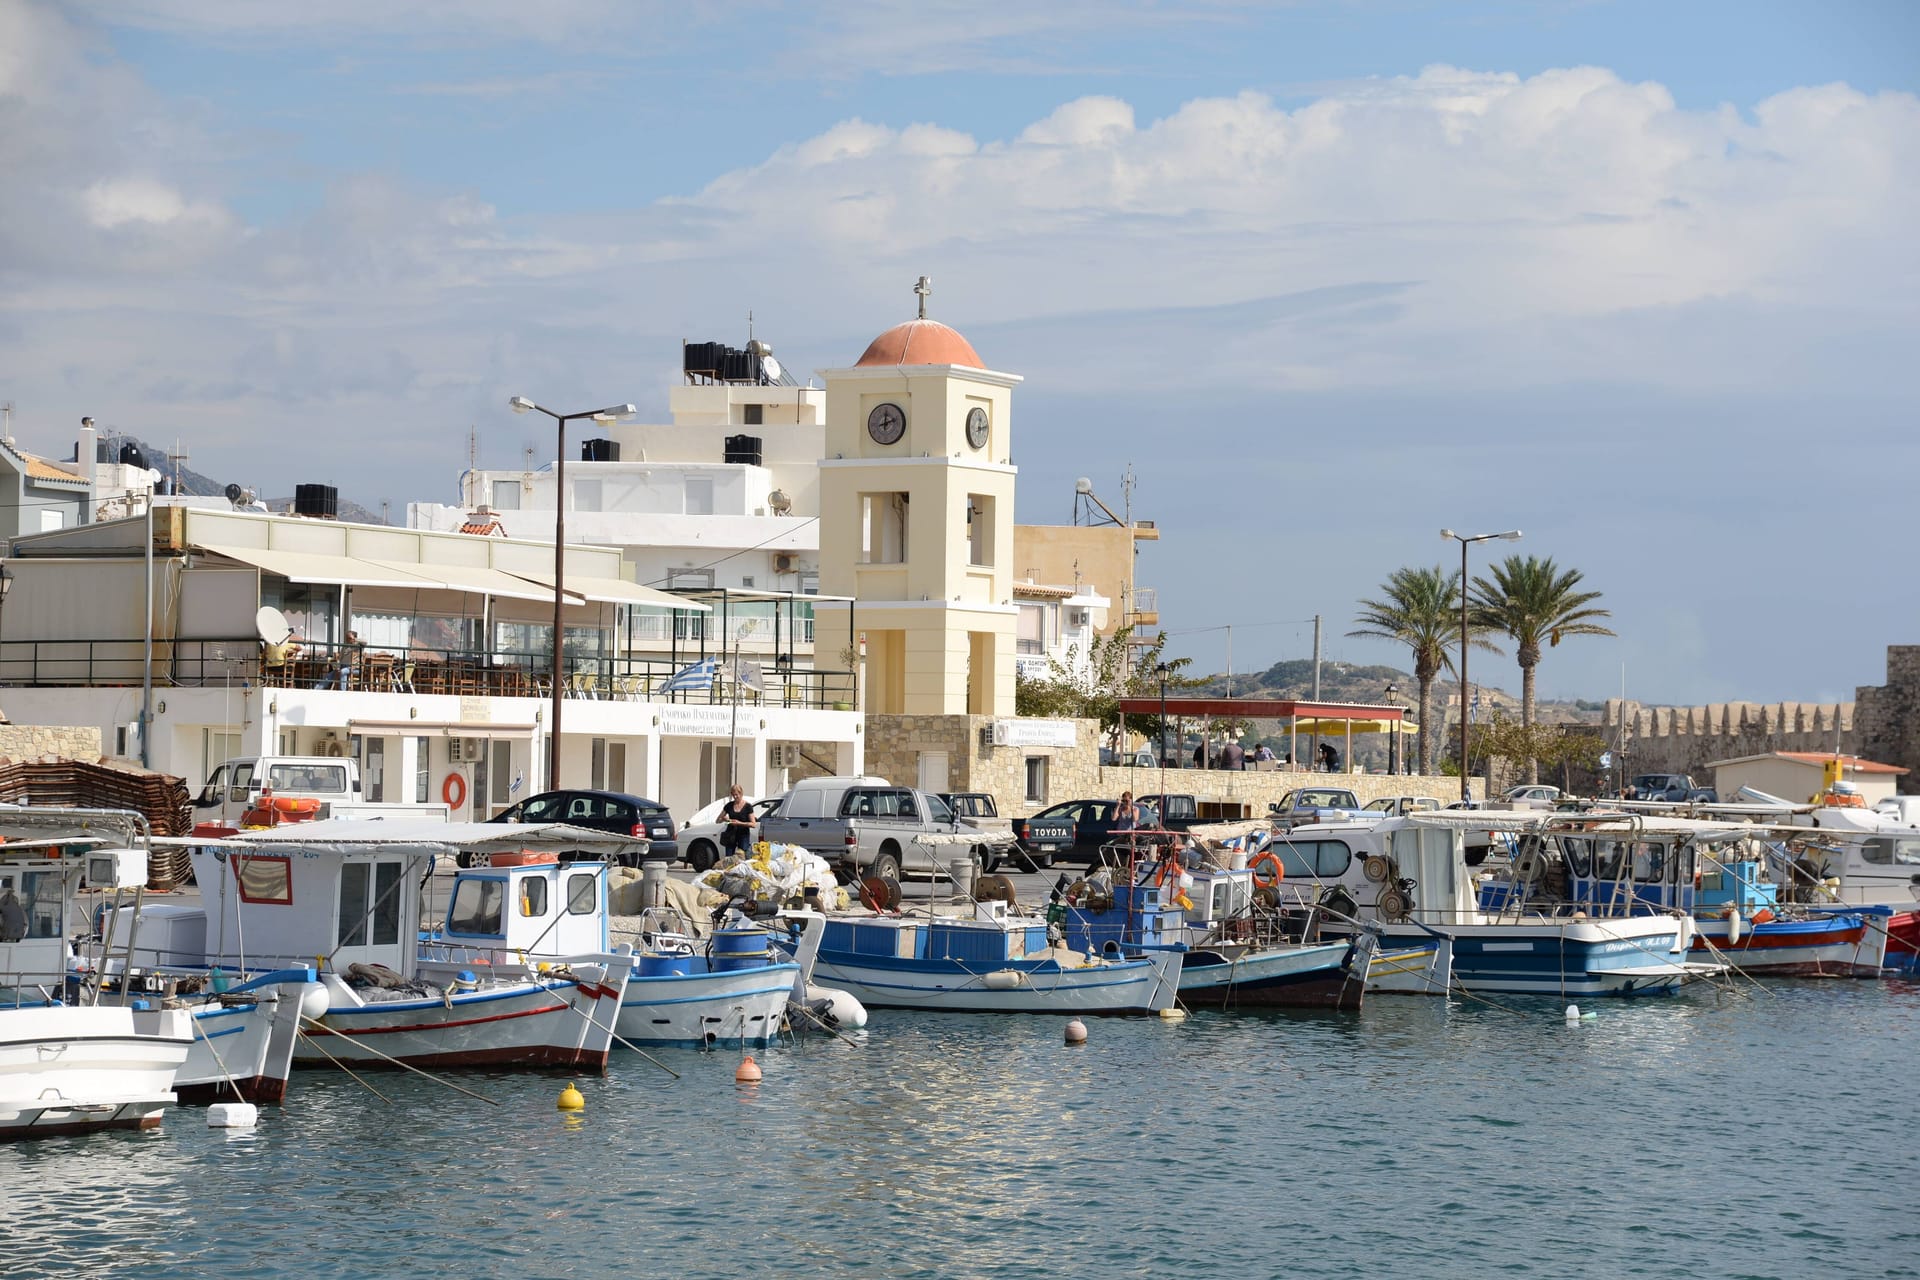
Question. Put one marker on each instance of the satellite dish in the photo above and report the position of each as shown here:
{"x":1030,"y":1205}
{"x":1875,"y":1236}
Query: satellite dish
{"x":770,"y":367}
{"x":780,"y":502}
{"x":272,"y":625}
{"x":233,"y":492}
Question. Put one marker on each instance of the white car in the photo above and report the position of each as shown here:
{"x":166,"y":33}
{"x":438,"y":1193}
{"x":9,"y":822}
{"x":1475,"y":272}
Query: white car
{"x":700,"y":839}
{"x":1533,"y":796}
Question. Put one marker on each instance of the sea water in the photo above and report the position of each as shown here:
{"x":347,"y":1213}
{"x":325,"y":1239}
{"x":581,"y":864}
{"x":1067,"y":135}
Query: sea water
{"x":1758,"y":1133}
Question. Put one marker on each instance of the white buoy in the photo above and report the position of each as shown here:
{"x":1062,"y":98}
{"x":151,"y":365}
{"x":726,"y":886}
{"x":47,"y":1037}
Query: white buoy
{"x":232,"y":1115}
{"x":1173,"y":1013}
{"x":1076,"y":1032}
{"x":1573,"y":1013}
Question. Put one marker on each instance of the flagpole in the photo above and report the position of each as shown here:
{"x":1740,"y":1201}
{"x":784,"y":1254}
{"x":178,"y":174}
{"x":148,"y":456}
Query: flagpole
{"x":733,"y":730}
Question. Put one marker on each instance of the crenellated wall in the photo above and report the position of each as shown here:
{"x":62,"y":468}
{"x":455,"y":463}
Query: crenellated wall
{"x":1889,"y":715}
{"x":1686,"y":739}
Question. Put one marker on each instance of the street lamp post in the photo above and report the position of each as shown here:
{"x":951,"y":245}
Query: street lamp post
{"x":6,"y":585}
{"x":1393,"y":743}
{"x":1466,"y":541}
{"x":613,"y":413}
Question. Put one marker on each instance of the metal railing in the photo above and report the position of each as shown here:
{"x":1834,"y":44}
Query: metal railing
{"x":237,"y":663}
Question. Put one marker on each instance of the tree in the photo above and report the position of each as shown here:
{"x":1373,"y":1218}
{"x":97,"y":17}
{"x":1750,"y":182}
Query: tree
{"x":1092,"y":690}
{"x":1533,"y":600}
{"x":1420,"y":608}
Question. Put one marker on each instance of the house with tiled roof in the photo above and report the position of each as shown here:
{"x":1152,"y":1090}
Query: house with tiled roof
{"x":38,"y":495}
{"x":1799,"y":775}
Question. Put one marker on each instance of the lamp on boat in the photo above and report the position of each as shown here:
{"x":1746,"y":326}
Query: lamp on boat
{"x":612,"y":413}
{"x":1465,"y":541}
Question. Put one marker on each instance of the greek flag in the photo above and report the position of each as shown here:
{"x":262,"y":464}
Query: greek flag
{"x":691,"y":679}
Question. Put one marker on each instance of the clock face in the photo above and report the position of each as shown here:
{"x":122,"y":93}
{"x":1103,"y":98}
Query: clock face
{"x":977,"y":428}
{"x":887,"y":423}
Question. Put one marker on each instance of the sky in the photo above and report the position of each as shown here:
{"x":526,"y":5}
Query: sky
{"x":1638,"y":279}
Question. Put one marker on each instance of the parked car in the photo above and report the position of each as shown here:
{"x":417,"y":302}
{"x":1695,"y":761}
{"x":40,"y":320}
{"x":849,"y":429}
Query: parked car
{"x":1074,"y":829}
{"x":980,"y":809}
{"x":699,"y":840}
{"x":615,"y":811}
{"x":1674,"y":788}
{"x":1139,"y":758}
{"x":1532,"y":796}
{"x":1316,"y":804}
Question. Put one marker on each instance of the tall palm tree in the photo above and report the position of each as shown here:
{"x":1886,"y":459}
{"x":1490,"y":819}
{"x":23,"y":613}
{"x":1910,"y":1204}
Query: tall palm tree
{"x":1421,"y":609}
{"x":1533,"y":599}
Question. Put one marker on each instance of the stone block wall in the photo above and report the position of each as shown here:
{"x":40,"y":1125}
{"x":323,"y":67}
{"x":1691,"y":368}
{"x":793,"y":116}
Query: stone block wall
{"x":37,"y":741}
{"x":895,"y":744}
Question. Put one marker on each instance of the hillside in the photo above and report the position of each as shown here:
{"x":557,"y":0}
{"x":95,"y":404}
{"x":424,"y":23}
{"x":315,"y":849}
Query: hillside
{"x":196,"y":484}
{"x":1345,"y":682}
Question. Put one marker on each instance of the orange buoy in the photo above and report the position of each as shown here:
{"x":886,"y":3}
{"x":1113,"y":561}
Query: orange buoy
{"x":524,"y":858}
{"x":748,"y":1072}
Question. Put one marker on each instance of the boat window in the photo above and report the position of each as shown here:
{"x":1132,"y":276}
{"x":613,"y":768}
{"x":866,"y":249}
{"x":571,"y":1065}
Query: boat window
{"x":1649,"y":862}
{"x":581,"y":895}
{"x":1579,"y":854}
{"x":264,"y":880}
{"x":1313,"y":859}
{"x":1608,"y":858}
{"x":369,"y":904}
{"x":33,"y":910}
{"x":533,"y":897}
{"x":1884,"y":851}
{"x":476,"y":907}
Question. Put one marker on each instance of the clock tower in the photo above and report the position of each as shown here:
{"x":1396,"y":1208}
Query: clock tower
{"x":916,"y":520}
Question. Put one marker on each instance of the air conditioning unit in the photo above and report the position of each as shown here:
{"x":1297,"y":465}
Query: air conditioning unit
{"x":464,"y":750}
{"x":1001,"y":731}
{"x":783,"y":564}
{"x":1077,"y":617}
{"x":783,"y":755}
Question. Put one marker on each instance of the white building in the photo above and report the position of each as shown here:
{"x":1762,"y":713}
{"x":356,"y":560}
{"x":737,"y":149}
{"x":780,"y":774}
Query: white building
{"x":451,"y":681}
{"x":1056,"y":627}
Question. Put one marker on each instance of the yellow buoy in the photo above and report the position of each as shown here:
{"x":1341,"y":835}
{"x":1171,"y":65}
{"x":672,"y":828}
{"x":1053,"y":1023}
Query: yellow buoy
{"x":748,"y":1072}
{"x":571,"y":1099}
{"x":1173,"y":1014}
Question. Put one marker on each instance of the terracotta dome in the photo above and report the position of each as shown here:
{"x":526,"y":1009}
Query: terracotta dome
{"x":920,"y":342}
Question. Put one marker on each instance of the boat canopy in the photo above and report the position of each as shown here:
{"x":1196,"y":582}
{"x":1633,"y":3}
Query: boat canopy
{"x":356,"y":835}
{"x":1577,"y":823}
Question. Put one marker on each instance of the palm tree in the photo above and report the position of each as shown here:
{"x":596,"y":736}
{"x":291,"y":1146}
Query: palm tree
{"x":1531,"y":600}
{"x":1421,"y":609}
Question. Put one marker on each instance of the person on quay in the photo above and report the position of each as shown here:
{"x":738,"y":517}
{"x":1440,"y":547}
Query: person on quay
{"x":737,"y":814}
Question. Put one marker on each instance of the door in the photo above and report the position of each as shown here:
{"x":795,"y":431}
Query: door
{"x":933,"y":772}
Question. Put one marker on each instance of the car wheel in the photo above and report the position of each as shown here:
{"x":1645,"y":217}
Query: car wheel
{"x":463,"y":860}
{"x":887,"y":865}
{"x":1036,"y":862}
{"x":701,"y":856}
{"x":989,"y":858}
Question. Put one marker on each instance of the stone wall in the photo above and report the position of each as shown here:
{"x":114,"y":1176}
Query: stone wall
{"x":1687,"y":739}
{"x":37,"y":741}
{"x":1887,"y":717}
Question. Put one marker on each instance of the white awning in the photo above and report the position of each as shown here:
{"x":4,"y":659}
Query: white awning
{"x":329,"y":570}
{"x":477,"y":580}
{"x":613,"y":591}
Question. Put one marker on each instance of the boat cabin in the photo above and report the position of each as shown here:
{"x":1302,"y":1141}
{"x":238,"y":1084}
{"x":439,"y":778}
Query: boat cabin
{"x":269,"y":907}
{"x":524,"y":904}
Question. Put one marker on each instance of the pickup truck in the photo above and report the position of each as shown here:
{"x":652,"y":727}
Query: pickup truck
{"x":877,"y":831}
{"x":238,"y":785}
{"x":1316,"y":804}
{"x":1674,"y":788}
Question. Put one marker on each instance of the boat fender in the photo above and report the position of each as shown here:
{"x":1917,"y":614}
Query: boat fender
{"x":1733,"y":927}
{"x":1684,"y":940}
{"x":1003,"y":980}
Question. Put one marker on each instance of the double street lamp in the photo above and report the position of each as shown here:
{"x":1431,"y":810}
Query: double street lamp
{"x":612,"y":413}
{"x":1465,"y":541}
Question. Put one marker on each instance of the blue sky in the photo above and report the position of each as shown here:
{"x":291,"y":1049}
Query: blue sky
{"x":1637,"y":278}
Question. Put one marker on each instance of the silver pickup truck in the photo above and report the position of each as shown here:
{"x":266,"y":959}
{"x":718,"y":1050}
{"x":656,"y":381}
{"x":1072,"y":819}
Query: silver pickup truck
{"x":883,"y":831}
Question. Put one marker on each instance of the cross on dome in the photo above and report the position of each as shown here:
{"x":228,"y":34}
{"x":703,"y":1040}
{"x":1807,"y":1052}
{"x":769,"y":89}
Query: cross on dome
{"x":924,"y":288}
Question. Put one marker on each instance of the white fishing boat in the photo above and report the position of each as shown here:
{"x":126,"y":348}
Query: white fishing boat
{"x":1619,"y":927}
{"x":724,"y":988}
{"x":70,"y":1068}
{"x":348,"y":893}
{"x":242,"y":1038}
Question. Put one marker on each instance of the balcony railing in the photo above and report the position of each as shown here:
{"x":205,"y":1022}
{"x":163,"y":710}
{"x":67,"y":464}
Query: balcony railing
{"x":234,"y":663}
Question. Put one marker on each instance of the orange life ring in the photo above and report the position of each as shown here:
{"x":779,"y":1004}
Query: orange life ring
{"x":524,"y":858}
{"x":454,"y":791}
{"x":1271,"y":859}
{"x":295,"y":804}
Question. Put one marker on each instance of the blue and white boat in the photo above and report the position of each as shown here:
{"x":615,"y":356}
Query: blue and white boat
{"x":1518,"y":928}
{"x":982,"y":957}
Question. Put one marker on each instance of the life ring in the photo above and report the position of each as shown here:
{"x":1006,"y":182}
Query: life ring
{"x":1272,"y":859}
{"x":454,"y":791}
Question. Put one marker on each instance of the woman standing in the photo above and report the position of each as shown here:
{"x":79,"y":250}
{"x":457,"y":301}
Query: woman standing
{"x":737,"y":814}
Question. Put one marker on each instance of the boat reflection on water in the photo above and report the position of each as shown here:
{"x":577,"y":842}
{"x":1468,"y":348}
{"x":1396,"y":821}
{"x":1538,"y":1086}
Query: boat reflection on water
{"x":73,"y":1203}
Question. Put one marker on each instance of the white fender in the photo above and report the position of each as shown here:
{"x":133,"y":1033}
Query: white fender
{"x":1733,"y":926}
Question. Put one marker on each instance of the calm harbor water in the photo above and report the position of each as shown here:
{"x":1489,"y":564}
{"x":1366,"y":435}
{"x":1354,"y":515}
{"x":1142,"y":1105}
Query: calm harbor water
{"x":1751,"y":1135}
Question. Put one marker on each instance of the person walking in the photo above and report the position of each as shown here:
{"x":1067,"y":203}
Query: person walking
{"x":737,"y":814}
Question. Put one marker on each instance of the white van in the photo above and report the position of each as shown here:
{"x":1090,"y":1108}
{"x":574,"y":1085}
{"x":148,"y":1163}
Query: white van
{"x":1904,"y":810}
{"x":334,"y":781}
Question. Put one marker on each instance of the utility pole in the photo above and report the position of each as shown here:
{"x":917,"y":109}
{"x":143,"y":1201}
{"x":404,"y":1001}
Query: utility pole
{"x":1316,"y":657}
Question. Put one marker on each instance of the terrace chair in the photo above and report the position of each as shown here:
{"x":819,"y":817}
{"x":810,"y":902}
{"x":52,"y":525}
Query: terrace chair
{"x":403,"y":678}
